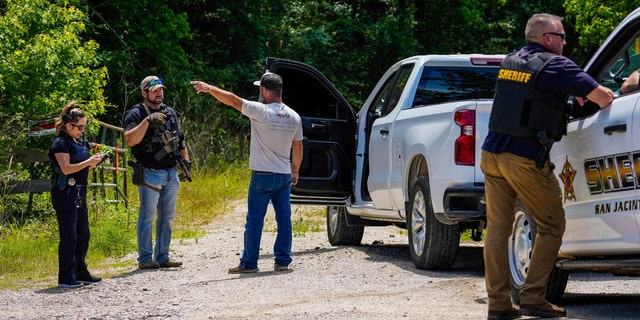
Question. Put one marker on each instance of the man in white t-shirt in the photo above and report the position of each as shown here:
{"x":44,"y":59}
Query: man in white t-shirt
{"x":276,"y":133}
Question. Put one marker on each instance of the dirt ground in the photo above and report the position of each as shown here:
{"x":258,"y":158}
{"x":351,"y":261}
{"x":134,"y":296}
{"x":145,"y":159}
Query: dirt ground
{"x":374,"y":281}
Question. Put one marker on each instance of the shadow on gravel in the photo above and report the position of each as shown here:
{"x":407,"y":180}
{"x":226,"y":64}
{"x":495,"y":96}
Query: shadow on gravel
{"x":56,"y":290}
{"x":601,"y":305}
{"x":313,"y":251}
{"x":131,"y":272}
{"x":468,"y":261}
{"x":259,"y":274}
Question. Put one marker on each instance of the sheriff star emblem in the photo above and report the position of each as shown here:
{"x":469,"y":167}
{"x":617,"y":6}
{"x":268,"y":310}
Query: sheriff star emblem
{"x":567,"y":175}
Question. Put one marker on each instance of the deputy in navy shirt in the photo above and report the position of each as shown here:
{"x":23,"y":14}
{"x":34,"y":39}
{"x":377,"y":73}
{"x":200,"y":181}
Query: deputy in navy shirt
{"x":533,"y":86}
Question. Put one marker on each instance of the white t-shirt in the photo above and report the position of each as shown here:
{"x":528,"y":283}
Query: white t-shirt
{"x":273,"y":128}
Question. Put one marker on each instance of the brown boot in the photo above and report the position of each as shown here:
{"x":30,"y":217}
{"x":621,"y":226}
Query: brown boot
{"x":513,"y":313}
{"x":545,"y":310}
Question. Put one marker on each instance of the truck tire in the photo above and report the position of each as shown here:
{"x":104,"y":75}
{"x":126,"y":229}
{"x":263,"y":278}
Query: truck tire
{"x":520,"y":247}
{"x":432,"y":244}
{"x":338,"y":231}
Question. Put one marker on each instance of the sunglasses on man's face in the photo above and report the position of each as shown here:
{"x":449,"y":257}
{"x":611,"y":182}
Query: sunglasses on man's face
{"x":561,"y":35}
{"x":153,"y":83}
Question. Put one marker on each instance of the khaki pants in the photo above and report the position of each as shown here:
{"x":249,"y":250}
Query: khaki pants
{"x":508,"y":176}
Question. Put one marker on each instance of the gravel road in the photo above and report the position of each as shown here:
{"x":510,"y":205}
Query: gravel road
{"x":374,"y":281}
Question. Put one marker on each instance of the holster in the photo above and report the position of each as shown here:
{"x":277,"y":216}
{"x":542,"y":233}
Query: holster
{"x":138,"y":172}
{"x":59,"y":180}
{"x":543,"y":154}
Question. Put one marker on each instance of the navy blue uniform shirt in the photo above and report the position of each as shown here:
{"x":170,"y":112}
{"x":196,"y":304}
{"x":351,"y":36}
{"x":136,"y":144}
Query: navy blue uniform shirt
{"x":78,"y":152}
{"x":560,"y":77}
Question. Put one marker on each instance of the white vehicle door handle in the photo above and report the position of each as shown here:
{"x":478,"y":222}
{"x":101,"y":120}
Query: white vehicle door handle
{"x":615,"y":128}
{"x":384,"y":132}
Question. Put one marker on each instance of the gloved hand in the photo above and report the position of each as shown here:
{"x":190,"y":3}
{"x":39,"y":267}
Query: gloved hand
{"x":156,"y":117}
{"x":183,"y":175}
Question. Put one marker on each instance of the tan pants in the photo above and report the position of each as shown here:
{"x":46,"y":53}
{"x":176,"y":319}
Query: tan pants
{"x":508,"y":176}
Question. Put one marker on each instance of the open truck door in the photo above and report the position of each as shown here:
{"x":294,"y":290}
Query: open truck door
{"x":329,"y":129}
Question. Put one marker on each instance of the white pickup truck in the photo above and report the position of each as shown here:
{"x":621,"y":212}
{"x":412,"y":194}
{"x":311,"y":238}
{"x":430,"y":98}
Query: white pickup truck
{"x":409,"y":157}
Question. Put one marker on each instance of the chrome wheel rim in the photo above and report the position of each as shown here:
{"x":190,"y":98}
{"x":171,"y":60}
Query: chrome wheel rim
{"x":333,"y":219}
{"x":418,"y":214}
{"x":520,"y":247}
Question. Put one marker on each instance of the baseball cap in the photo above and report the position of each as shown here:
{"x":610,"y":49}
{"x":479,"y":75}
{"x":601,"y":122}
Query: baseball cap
{"x":270,"y":81}
{"x":152,"y":83}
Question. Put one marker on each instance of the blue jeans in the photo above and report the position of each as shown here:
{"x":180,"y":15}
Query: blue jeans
{"x":164,"y":202}
{"x":265,"y":187}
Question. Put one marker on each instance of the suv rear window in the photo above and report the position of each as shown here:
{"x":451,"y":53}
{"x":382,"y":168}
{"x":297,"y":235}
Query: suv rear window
{"x":446,"y":84}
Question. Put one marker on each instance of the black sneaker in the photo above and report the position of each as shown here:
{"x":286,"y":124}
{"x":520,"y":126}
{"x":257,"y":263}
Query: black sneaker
{"x":89,"y":280}
{"x":74,"y":284}
{"x":240,"y":269}
{"x":545,"y":310}
{"x":277,"y":267}
{"x":149,"y":264}
{"x":170,"y":264}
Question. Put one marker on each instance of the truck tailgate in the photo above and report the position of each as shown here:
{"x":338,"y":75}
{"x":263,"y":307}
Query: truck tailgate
{"x":483,"y":110}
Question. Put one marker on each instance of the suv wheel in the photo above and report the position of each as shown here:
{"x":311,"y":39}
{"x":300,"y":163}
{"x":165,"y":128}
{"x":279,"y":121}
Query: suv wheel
{"x":520,"y":248}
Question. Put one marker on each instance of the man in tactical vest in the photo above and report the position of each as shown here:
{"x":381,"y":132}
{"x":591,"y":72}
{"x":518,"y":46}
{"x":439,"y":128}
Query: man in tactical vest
{"x":156,"y":174}
{"x":528,"y":114}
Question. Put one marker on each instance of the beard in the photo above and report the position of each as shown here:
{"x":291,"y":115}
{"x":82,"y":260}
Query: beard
{"x":157,"y":100}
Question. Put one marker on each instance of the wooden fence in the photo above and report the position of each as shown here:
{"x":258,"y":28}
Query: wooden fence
{"x":103,"y":177}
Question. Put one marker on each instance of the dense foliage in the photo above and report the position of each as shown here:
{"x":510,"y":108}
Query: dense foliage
{"x":45,"y":64}
{"x":97,"y":52}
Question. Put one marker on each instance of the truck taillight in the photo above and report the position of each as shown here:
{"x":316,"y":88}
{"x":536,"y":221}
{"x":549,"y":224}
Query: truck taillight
{"x":465,"y":148}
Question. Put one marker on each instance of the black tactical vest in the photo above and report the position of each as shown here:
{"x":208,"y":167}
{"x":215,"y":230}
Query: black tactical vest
{"x":518,"y":108}
{"x":151,"y":144}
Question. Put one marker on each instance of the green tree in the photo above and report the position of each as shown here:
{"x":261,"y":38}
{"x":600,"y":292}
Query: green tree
{"x":507,"y":20}
{"x":45,"y":64}
{"x":139,"y":38}
{"x":594,"y":20}
{"x":231,"y":39}
{"x":454,"y":26}
{"x":351,"y":42}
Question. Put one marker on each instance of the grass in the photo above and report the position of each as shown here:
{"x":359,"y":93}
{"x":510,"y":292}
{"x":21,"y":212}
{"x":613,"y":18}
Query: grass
{"x":303,"y":219}
{"x":314,"y":223}
{"x":467,"y":235}
{"x":28,"y":253}
{"x":29,"y":248}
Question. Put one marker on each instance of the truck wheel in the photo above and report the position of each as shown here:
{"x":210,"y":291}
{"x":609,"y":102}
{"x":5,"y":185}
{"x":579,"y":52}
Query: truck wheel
{"x":520,"y":247}
{"x":432,"y":244}
{"x":338,"y":232}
